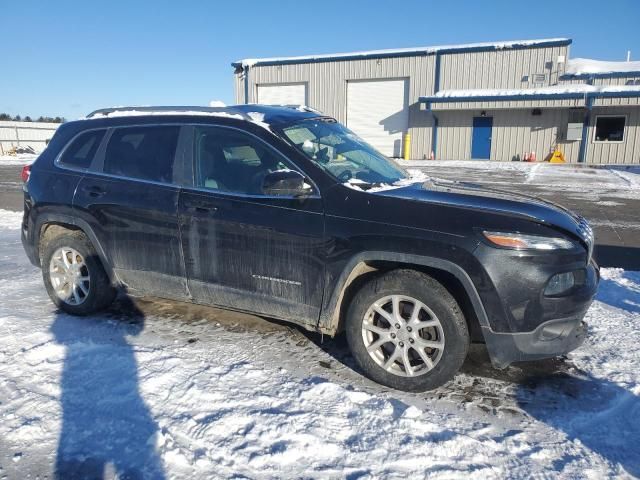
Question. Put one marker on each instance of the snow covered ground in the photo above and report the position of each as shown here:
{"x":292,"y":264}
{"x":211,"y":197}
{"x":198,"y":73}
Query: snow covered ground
{"x":20,"y":159}
{"x":164,"y":390}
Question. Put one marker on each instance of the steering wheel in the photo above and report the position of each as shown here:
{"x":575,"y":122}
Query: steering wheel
{"x":345,"y":176}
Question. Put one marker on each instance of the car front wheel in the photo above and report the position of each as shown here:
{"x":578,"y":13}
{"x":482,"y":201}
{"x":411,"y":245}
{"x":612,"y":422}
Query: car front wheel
{"x":406,"y":331}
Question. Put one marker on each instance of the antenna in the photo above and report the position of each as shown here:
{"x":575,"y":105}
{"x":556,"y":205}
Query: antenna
{"x":628,"y":55}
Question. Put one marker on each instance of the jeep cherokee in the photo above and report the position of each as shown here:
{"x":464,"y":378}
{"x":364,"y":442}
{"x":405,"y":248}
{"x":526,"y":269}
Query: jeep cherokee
{"x":285,"y":213}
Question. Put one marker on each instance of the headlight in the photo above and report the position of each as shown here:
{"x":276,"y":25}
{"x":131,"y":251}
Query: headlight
{"x":519,"y":241}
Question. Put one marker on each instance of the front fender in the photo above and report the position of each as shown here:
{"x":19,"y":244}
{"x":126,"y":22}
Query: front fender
{"x":330,"y":313}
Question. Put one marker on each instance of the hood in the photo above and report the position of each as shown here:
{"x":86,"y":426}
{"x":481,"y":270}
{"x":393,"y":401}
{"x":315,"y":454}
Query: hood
{"x":476,"y":197}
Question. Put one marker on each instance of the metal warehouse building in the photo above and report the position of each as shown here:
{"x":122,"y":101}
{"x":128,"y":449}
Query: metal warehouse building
{"x":493,"y":101}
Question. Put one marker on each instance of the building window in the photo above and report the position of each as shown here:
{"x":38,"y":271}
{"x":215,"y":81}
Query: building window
{"x":609,"y":129}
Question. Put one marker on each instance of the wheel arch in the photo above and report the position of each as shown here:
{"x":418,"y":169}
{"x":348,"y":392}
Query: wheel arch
{"x":367,"y":264}
{"x":48,"y":224}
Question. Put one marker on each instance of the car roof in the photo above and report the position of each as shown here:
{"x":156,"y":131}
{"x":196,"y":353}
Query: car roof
{"x":255,"y":113}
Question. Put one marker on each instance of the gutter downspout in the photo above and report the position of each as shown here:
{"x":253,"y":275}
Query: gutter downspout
{"x":582,"y":153}
{"x":246,"y":84}
{"x":436,"y":88}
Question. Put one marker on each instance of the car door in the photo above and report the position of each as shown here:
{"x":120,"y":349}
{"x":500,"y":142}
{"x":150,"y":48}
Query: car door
{"x":243,"y":249}
{"x":130,"y":199}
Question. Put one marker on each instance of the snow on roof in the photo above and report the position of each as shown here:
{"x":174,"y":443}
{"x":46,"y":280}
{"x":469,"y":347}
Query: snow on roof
{"x":585,"y":66}
{"x":111,"y":113}
{"x":559,"y":91}
{"x":555,"y":90}
{"x":250,"y":62}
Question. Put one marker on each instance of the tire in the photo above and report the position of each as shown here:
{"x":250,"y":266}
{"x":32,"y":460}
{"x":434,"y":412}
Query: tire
{"x":99,"y":292}
{"x":439,"y":331}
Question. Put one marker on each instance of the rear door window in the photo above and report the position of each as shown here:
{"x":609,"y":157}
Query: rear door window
{"x":81,"y":151}
{"x":145,"y":153}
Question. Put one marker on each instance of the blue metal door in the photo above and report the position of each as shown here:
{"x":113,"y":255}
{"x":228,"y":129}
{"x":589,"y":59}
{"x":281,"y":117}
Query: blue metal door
{"x":481,"y":138}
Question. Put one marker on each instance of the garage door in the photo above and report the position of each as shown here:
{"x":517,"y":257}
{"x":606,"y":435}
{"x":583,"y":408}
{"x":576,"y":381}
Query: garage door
{"x":378,"y":111}
{"x":283,"y":94}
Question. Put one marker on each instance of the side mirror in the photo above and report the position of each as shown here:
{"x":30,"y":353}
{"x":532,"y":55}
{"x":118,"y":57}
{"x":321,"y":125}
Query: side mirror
{"x":285,"y":183}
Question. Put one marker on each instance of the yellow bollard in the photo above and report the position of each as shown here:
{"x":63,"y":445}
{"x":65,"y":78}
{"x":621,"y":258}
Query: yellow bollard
{"x":406,"y":147}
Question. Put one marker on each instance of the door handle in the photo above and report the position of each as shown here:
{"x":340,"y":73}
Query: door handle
{"x":202,"y":208}
{"x":94,"y":191}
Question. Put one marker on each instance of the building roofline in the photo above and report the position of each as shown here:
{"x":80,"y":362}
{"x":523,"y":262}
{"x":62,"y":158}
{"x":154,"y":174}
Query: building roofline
{"x":532,"y":96}
{"x":502,"y":98}
{"x":583,"y":76}
{"x":406,"y":52}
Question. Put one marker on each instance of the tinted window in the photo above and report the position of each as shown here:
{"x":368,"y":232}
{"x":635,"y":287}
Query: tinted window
{"x":146,"y":153}
{"x":231,"y":161}
{"x":82,"y":150}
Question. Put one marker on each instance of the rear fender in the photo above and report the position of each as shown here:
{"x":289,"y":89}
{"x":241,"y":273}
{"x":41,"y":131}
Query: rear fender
{"x":61,"y":219}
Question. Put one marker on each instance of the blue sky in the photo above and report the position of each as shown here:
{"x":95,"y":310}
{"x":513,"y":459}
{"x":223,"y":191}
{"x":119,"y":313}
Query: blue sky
{"x":68,"y":57}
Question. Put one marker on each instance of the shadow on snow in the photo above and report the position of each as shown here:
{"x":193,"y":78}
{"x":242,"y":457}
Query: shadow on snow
{"x":105,"y":422}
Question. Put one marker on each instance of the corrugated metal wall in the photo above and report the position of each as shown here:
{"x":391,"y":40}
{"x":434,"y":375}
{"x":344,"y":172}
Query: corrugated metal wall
{"x":627,"y":151}
{"x":500,"y":69}
{"x":328,"y":87}
{"x":514,"y":133}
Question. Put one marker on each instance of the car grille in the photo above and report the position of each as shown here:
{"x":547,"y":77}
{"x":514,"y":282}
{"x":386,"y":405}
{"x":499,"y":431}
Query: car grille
{"x":586,"y":233}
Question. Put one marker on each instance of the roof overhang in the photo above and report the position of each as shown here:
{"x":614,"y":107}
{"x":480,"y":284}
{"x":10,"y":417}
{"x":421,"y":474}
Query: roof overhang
{"x":585,"y":76}
{"x":405,"y":52}
{"x":523,"y":95}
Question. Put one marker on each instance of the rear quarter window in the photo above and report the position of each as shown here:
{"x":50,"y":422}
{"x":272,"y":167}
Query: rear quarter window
{"x":82,"y":149}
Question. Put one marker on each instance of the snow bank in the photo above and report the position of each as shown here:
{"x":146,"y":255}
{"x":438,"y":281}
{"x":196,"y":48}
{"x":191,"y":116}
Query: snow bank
{"x":10,"y":220}
{"x":585,"y":66}
{"x":20,"y":159}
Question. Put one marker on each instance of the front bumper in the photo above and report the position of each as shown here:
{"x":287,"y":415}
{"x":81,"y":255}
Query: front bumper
{"x":552,"y":338}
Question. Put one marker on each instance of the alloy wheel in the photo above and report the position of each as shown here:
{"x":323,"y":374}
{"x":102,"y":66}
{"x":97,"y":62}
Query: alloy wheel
{"x":69,"y":276}
{"x":403,"y":336}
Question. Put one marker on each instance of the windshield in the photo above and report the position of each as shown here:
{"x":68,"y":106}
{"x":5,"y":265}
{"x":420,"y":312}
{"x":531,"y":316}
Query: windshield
{"x":343,"y":154}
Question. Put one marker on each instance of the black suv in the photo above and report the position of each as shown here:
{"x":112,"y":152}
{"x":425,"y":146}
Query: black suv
{"x":283,"y":212}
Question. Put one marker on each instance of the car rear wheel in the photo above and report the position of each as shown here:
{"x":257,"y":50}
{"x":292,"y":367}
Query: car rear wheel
{"x":73,"y":275}
{"x":406,"y":331}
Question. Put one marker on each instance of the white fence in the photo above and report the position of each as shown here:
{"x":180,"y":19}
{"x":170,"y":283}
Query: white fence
{"x":25,"y":134}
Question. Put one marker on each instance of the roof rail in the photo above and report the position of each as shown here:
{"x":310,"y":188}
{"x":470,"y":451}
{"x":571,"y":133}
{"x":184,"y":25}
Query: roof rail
{"x":168,"y":109}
